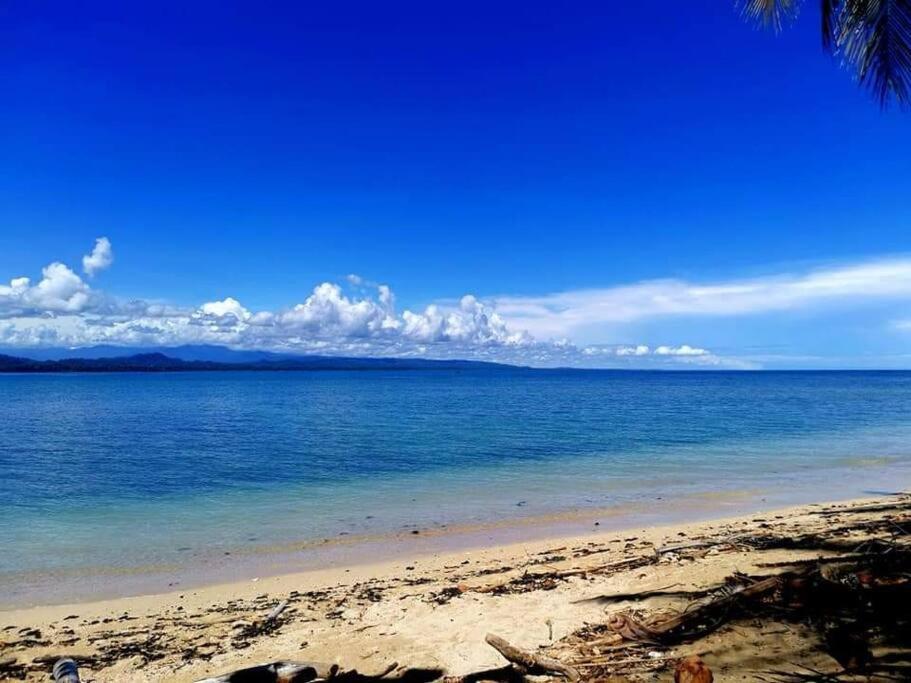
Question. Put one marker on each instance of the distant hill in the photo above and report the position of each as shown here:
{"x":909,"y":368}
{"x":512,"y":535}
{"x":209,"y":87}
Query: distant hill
{"x":190,"y":352}
{"x":159,"y":362}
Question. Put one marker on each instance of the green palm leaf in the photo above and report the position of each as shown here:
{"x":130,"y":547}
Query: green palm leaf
{"x":873,"y":37}
{"x":774,"y":14}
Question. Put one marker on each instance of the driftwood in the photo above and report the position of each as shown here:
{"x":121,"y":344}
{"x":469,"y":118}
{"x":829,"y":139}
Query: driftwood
{"x":275,"y":613}
{"x":813,"y":561}
{"x":266,"y":624}
{"x":531,"y":663}
{"x":515,"y":584}
{"x":699,"y":610}
{"x":611,"y":598}
{"x":864,"y":509}
{"x":693,"y":620}
{"x":686,"y":546}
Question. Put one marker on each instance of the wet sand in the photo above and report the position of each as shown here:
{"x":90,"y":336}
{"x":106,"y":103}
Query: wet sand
{"x":204,"y":567}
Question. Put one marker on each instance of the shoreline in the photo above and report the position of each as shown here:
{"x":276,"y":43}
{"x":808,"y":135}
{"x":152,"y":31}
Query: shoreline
{"x":416,"y":552}
{"x":92,"y":584}
{"x":412,"y":610}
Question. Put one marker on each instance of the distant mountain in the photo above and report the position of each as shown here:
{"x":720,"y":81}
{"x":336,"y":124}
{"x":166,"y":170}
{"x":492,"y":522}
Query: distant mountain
{"x":159,"y":362}
{"x":190,"y":352}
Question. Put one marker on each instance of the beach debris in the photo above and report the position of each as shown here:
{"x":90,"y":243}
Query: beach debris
{"x":267,"y":624}
{"x":278,"y":672}
{"x":850,"y":605}
{"x":11,"y":667}
{"x":677,"y":548}
{"x":65,"y":671}
{"x":529,"y":663}
{"x":692,"y":670}
{"x":273,"y":615}
{"x":314,"y":672}
{"x":838,"y":589}
{"x":628,"y":627}
{"x":854,"y":595}
{"x":700,"y":617}
{"x":529,"y":581}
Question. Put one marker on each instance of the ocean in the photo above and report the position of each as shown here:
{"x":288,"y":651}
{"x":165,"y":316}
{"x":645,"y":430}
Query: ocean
{"x":133,"y":482}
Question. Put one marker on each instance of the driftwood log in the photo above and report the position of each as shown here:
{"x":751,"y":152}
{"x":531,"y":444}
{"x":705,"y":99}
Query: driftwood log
{"x":672,"y":627}
{"x":267,"y":623}
{"x":274,"y":613}
{"x":531,"y":663}
{"x":696,"y":612}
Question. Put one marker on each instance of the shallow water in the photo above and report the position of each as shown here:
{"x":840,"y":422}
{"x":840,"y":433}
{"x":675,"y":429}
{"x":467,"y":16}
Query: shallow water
{"x":106,"y":474}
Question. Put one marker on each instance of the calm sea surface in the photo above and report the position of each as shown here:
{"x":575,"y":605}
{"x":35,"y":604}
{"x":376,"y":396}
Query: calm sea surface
{"x":107,"y":474}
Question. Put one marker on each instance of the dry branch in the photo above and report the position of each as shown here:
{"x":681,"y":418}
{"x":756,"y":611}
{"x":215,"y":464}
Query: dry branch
{"x":531,"y":663}
{"x":697,"y":618}
{"x":275,"y":613}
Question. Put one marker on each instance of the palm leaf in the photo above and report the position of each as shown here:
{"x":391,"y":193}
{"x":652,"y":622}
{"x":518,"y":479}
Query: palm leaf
{"x":874,"y":37}
{"x":829,"y":11}
{"x":772,"y":14}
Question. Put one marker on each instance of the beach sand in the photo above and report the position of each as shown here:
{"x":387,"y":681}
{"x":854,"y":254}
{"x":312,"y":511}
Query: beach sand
{"x":431,"y":611}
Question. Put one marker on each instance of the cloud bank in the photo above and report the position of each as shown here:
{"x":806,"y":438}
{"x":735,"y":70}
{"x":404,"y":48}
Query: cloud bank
{"x":362,"y":318}
{"x":568,"y":313}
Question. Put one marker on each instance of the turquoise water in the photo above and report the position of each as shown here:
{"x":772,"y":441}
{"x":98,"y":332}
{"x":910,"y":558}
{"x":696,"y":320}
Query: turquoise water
{"x":133,"y":470}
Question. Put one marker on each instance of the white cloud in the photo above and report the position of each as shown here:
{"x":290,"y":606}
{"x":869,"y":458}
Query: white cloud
{"x":568,"y":313}
{"x":15,"y":291}
{"x":102,"y":257}
{"x":226,"y":307}
{"x":643,"y":350}
{"x":63,"y":310}
{"x":684,"y":350}
{"x":59,"y":290}
{"x":329,"y":312}
{"x":638,"y":350}
{"x":472,"y":322}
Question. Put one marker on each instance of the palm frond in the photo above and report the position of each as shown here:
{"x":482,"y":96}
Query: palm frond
{"x":874,"y":37}
{"x":774,"y":14}
{"x":829,"y":10}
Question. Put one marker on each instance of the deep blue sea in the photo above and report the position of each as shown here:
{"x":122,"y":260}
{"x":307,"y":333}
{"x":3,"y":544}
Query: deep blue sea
{"x":111,"y":473}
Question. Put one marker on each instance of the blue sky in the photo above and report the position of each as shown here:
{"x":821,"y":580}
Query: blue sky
{"x":545,"y":160}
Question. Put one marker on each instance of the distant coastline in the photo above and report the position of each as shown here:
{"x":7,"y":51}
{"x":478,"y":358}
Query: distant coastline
{"x":159,"y":362}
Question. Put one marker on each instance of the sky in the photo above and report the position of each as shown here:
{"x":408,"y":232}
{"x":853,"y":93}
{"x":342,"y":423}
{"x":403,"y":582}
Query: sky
{"x":600,"y":185}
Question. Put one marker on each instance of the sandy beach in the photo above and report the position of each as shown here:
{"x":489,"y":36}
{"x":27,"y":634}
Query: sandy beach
{"x":499,"y":342}
{"x":432,"y":611}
